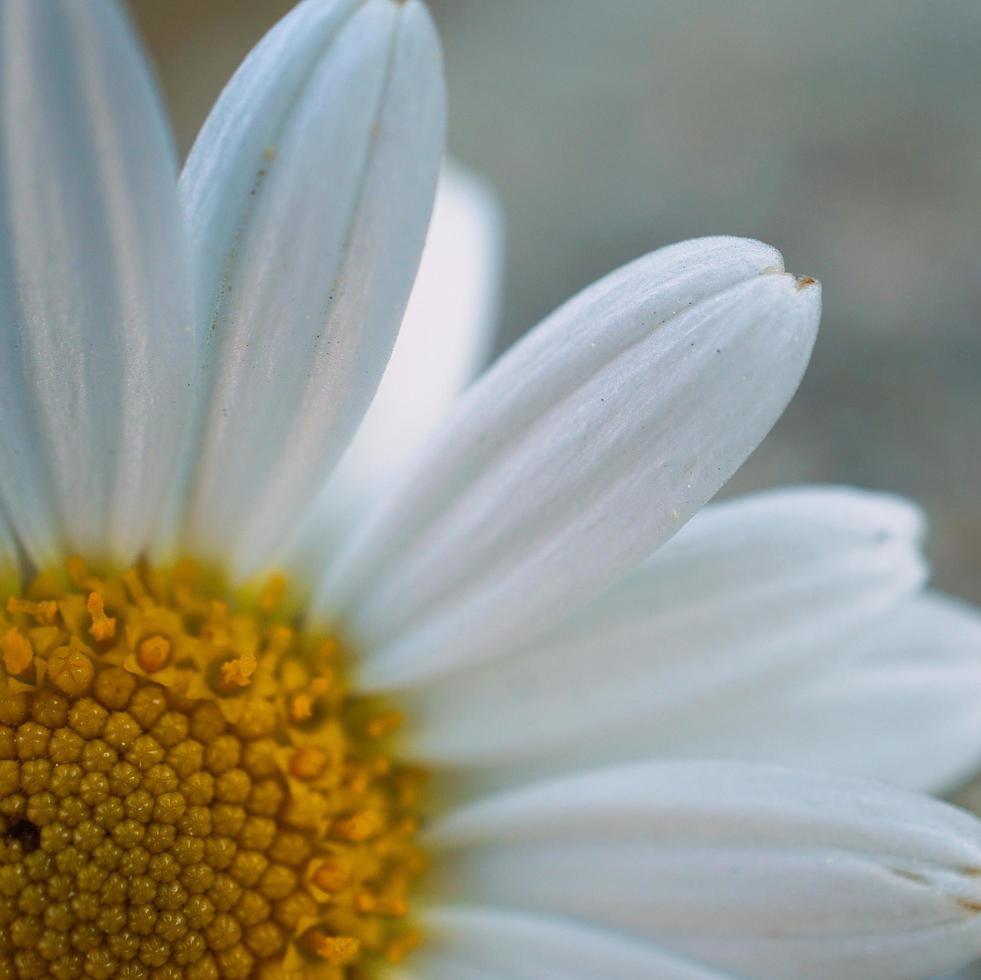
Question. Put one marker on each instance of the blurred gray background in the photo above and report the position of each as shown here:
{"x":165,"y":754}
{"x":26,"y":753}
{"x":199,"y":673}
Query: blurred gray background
{"x":847,"y":134}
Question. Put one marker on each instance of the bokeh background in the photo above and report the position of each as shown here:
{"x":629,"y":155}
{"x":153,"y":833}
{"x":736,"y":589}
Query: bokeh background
{"x":847,"y":134}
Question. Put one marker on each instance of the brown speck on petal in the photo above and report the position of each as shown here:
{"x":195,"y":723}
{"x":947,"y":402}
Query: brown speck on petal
{"x":909,"y":875}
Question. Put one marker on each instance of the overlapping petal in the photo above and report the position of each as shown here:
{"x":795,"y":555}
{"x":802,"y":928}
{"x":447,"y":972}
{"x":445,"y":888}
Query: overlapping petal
{"x":95,"y":299}
{"x":308,"y":194}
{"x":580,"y":451}
{"x":901,"y":706}
{"x":751,"y":591}
{"x":747,"y":868}
{"x":445,"y":337}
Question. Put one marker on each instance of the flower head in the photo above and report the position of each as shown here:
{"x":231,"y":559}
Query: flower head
{"x":454,"y":732}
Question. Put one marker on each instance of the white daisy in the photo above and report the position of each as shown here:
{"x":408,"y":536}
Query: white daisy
{"x":199,"y":779}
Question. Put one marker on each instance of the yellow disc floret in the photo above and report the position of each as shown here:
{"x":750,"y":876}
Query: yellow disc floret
{"x":189,"y":789}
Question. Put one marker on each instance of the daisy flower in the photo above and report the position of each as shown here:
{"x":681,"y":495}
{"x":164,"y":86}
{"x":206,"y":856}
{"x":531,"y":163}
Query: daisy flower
{"x":285,"y":695}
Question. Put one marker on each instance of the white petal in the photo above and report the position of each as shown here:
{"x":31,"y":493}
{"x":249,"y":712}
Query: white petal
{"x":445,"y":337}
{"x":95,"y":312}
{"x":763,"y":871}
{"x":308,"y":194}
{"x":903,"y":707}
{"x":504,"y":943}
{"x":583,"y":448}
{"x":749,"y":590}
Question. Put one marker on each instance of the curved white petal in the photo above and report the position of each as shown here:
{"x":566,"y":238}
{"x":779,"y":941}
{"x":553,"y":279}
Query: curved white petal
{"x":95,"y":314}
{"x":746,"y":592}
{"x":903,"y":707}
{"x":445,"y":337}
{"x":518,"y":945}
{"x":581,"y":450}
{"x":753,"y":869}
{"x":308,"y":194}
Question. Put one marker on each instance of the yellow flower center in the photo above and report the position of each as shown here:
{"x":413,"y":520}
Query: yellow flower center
{"x":189,"y":789}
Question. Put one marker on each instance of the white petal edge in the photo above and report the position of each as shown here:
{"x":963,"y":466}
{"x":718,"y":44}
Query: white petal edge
{"x":505,"y":943}
{"x":308,"y":194}
{"x":591,"y":442}
{"x":95,"y":293}
{"x":445,"y":338}
{"x":750,"y":590}
{"x":753,"y":869}
{"x":901,"y":706}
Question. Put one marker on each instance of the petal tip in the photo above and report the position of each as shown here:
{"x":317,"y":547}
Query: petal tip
{"x":805,"y":291}
{"x":804,"y":282}
{"x":800,"y":283}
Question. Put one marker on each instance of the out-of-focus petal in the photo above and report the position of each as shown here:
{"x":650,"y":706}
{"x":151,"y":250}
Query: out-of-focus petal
{"x":900,"y":706}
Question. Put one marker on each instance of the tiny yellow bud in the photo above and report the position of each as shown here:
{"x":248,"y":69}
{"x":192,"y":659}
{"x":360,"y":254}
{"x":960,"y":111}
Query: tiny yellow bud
{"x":331,"y":876}
{"x":153,"y":653}
{"x":70,"y":668}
